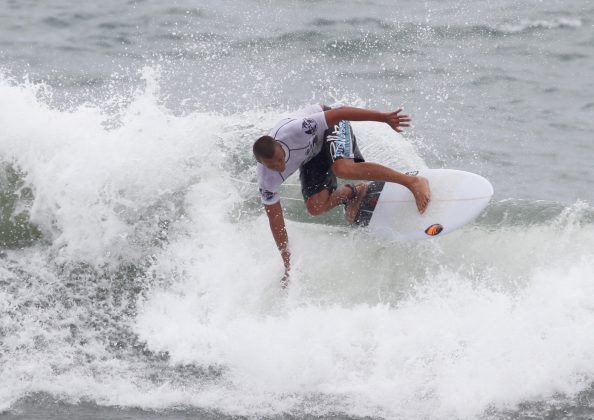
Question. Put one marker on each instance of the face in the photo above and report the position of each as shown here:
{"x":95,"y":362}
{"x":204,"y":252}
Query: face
{"x":276,"y":162}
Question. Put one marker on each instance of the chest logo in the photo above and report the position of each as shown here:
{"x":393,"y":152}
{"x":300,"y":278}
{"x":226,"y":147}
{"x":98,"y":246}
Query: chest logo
{"x":309,"y":126}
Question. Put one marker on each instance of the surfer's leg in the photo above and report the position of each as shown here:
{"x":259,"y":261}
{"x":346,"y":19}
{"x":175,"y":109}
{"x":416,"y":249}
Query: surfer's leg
{"x":347,"y":163}
{"x":419,"y":186}
{"x":319,"y":185}
{"x":318,"y":182}
{"x":352,"y":208}
{"x":347,"y":195}
{"x":320,"y":188}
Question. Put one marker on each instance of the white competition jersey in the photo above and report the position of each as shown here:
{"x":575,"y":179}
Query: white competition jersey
{"x":301,"y":136}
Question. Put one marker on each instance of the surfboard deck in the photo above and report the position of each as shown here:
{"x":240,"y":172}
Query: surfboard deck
{"x":389,"y":210}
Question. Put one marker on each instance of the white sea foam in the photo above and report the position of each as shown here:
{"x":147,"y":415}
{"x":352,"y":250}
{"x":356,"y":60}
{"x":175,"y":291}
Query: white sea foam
{"x":92,"y":184}
{"x":488,"y":317}
{"x":493,"y":326}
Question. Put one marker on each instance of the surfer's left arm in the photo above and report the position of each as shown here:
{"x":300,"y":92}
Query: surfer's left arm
{"x":395,"y":119}
{"x":279,"y":233}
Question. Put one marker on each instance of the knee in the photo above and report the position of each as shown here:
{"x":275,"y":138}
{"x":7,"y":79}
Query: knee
{"x":342,"y":168}
{"x":313,"y":208}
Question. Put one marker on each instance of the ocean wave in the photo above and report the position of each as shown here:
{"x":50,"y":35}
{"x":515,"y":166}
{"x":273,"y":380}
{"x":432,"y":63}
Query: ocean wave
{"x":378,"y":34}
{"x":528,"y":25}
{"x":354,"y":22}
{"x":358,"y":46}
{"x":473,"y":313}
{"x":56,"y":22}
{"x":284,"y":39}
{"x":185,"y":11}
{"x":156,"y":284}
{"x":566,"y":57}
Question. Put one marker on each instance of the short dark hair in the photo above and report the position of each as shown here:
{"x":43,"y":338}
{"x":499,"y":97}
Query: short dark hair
{"x":264,"y":147}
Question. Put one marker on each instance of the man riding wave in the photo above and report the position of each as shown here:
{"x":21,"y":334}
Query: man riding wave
{"x":319,"y":141}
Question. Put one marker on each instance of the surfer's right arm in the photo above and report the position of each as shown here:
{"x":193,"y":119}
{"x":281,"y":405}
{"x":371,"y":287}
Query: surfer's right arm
{"x":395,"y":119}
{"x":279,"y":232}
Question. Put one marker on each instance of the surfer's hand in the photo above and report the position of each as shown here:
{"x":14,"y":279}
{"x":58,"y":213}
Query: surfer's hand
{"x":397,"y":120}
{"x":285,"y":280}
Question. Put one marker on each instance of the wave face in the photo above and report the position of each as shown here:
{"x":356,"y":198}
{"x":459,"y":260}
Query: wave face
{"x":137,"y":271}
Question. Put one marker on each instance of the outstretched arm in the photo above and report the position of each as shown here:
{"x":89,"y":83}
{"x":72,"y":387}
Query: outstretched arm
{"x":393,"y":119}
{"x":279,"y":232}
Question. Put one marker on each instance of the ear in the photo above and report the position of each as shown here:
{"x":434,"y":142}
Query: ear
{"x":280,"y":148}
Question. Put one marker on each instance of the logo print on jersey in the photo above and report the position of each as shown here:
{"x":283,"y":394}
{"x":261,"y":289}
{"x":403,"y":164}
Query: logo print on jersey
{"x":309,"y":126}
{"x":266,"y":195}
{"x":339,"y":147}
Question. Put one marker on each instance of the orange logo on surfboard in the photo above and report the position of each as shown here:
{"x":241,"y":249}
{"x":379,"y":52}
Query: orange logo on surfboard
{"x":434,"y":230}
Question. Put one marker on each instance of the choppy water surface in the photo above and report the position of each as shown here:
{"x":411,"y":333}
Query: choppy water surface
{"x":138,"y":277}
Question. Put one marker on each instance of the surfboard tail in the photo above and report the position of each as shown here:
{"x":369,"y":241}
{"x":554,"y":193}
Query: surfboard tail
{"x":368,"y":203}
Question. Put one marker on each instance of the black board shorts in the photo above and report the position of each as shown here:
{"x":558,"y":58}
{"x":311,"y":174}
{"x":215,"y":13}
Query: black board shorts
{"x":339,"y":143}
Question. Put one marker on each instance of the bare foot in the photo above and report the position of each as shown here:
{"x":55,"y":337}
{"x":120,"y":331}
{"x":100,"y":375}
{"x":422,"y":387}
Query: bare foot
{"x":353,"y":208}
{"x":420,"y":189}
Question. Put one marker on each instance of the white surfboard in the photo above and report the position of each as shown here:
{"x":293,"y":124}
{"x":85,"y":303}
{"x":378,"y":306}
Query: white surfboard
{"x":389,"y":210}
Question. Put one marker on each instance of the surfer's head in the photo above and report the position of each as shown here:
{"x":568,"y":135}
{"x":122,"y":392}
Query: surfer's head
{"x":269,"y":153}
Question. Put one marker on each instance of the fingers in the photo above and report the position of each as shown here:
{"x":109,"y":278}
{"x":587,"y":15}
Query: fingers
{"x":396,"y":114}
{"x":399,"y":118}
{"x":398,"y":126}
{"x":398,"y":111}
{"x":398,"y":121}
{"x":284,"y":283}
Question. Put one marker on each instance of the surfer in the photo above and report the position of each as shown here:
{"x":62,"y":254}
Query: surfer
{"x":319,"y":141}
